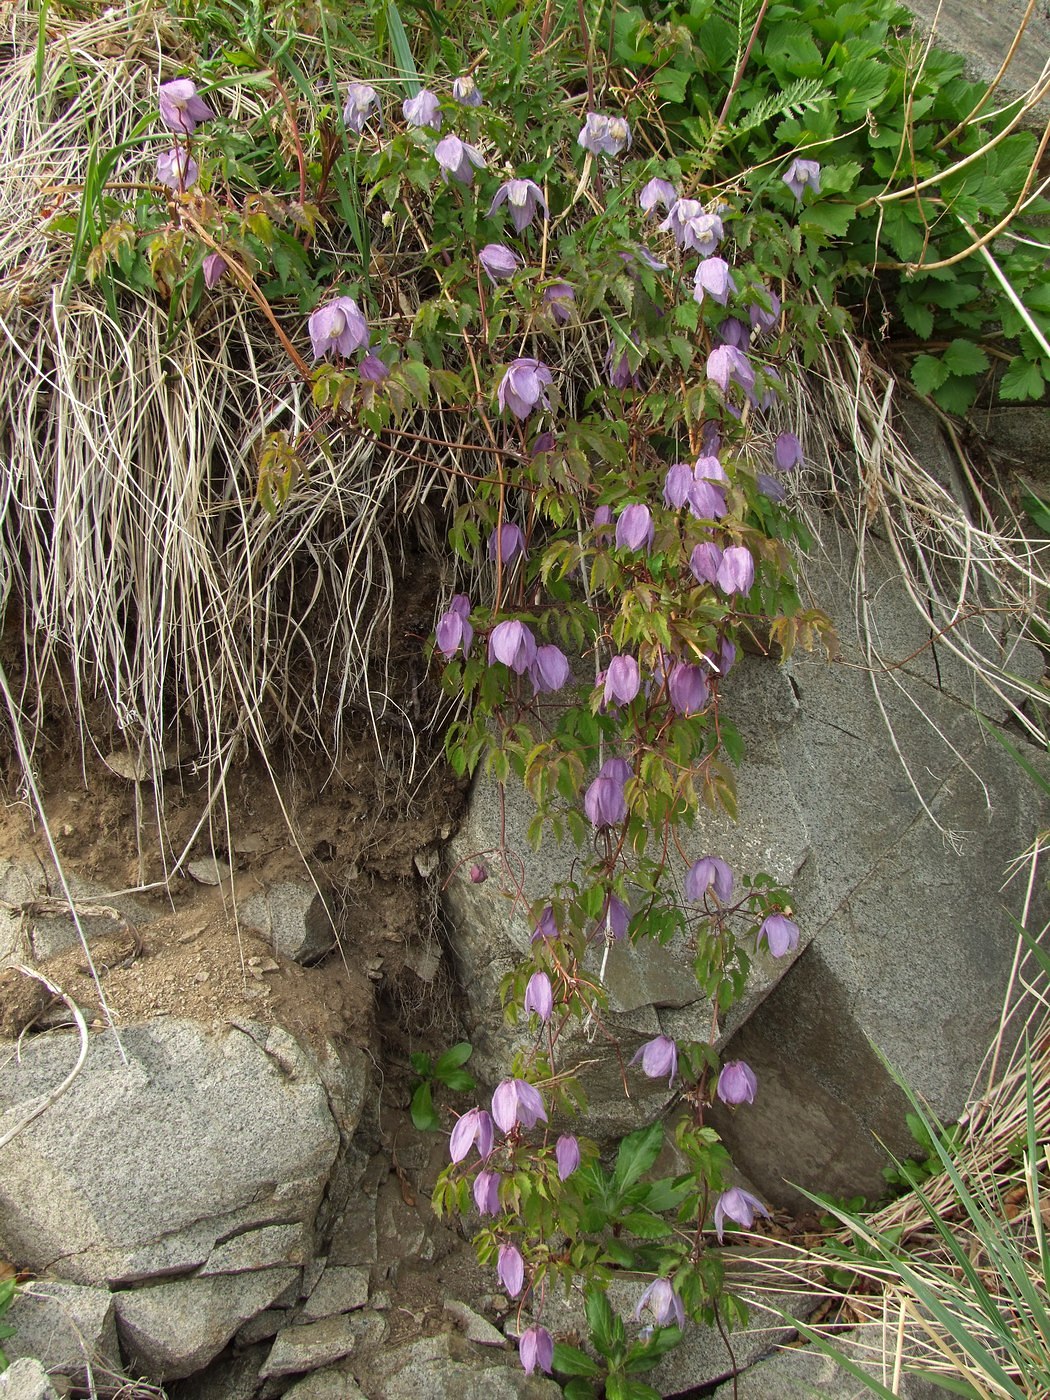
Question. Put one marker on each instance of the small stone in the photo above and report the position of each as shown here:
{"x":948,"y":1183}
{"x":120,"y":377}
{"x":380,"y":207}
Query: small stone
{"x":339,"y":1290}
{"x":473,"y":1326}
{"x":325,"y":1385}
{"x":209,"y":870}
{"x":308,"y":1347}
{"x":26,"y":1379}
{"x":427,"y":862}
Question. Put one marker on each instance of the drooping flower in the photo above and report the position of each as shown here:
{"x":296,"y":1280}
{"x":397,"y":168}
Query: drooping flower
{"x":550,"y":671}
{"x":677,"y":485}
{"x":372,"y":369}
{"x":604,"y":136}
{"x":761,"y":319}
{"x":802,"y":174}
{"x":604,"y":802}
{"x":543,"y":442}
{"x":511,"y":1269}
{"x":710,"y":873}
{"x":781,"y":934}
{"x":466,"y":92}
{"x":634,"y":528}
{"x":214,"y":266}
{"x":664,"y":1304}
{"x":622,"y":680}
{"x":787,"y":452}
{"x":601,"y":521}
{"x":704,"y":562}
{"x":539,"y":996}
{"x":536,"y":1348}
{"x":454,"y":630}
{"x":517,"y":1101}
{"x":614,"y":920}
{"x":458,"y":160}
{"x":560,"y":298}
{"x":737,"y":1083}
{"x":423,"y":110}
{"x":692,"y":228}
{"x":736,"y":573}
{"x":180,"y":107}
{"x":337,"y":327}
{"x":709,"y":468}
{"x":498,"y":262}
{"x":706,"y":502}
{"x":618,"y":367}
{"x":360,"y":101}
{"x":523,"y":198}
{"x":732,"y":331}
{"x":657,"y":192}
{"x":475,"y":1126}
{"x":512,"y":643}
{"x":727,"y":364}
{"x":505,"y":543}
{"x":479,"y":873}
{"x":177,"y":169}
{"x":545,"y":927}
{"x":687,"y":688}
{"x":486,"y":1192}
{"x":642,"y":254}
{"x":771,"y":487}
{"x":567,"y":1155}
{"x":522,"y":388}
{"x":714,"y":279}
{"x":658,"y":1057}
{"x":739,"y":1206}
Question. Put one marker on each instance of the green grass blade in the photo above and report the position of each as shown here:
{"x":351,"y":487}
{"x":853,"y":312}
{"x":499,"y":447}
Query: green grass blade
{"x":406,"y":64}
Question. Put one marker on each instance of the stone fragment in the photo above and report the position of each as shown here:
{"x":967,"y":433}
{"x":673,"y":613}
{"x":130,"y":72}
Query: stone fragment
{"x":295,"y":917}
{"x":69,"y":1328}
{"x":172,"y":1329}
{"x":141,"y":1168}
{"x":309,"y":1346}
{"x":805,"y":1373}
{"x":326,"y":1385}
{"x":262,"y":1327}
{"x":26,"y":1379}
{"x":209,"y":870}
{"x":258,"y":1249}
{"x":473,"y":1326}
{"x":339,"y":1290}
{"x":449,"y":1365}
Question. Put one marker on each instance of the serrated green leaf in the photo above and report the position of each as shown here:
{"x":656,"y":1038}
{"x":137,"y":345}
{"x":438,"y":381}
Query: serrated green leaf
{"x":1022,"y":380}
{"x":964,"y":357}
{"x":928,"y":373}
{"x":638,"y":1151}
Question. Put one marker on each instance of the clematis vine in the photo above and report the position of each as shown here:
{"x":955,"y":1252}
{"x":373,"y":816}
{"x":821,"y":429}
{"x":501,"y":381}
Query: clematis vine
{"x":539,"y":996}
{"x":423,"y":110}
{"x":737,"y":1083}
{"x":177,"y":169}
{"x":567,"y":1155}
{"x":517,"y":1101}
{"x":550,"y":670}
{"x":634,"y":528}
{"x":687,"y":688}
{"x":692,"y":228}
{"x":545,"y":926}
{"x":781,"y":934}
{"x":457,"y":160}
{"x":787,"y":452}
{"x":486,"y":1192}
{"x":622,"y":680}
{"x":604,"y":136}
{"x":361,"y":102}
{"x":512,"y":643}
{"x":739,"y":1206}
{"x":664,"y":1304}
{"x":726,"y":364}
{"x":180,"y":107}
{"x":338,"y":328}
{"x":523,"y":198}
{"x":704,"y":562}
{"x":466,"y":92}
{"x":710,"y":873}
{"x":536,"y":1349}
{"x":522,"y":387}
{"x":657,"y":193}
{"x":736,"y":573}
{"x":802,"y":175}
{"x":498,"y":262}
{"x":658,"y":1057}
{"x":475,"y":1126}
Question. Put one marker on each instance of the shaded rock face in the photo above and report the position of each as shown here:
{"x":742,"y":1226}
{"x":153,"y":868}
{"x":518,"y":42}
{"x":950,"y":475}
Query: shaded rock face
{"x":188,"y":1178}
{"x":983,"y":33}
{"x":894,"y":881}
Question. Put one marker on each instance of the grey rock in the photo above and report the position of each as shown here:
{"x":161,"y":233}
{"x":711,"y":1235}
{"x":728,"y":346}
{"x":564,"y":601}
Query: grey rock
{"x":339,"y":1290}
{"x":35,"y":917}
{"x":170,"y":1330}
{"x":898,"y":959}
{"x":26,"y":1379}
{"x":450,"y":1367}
{"x":473,"y":1326}
{"x":805,"y":1373}
{"x":209,"y":870}
{"x":369,"y":1330}
{"x":69,"y":1328}
{"x":262,"y":1327}
{"x":325,"y":1385}
{"x":296,"y":918}
{"x":309,"y":1346}
{"x":259,"y":1249}
{"x":231,"y":1376}
{"x":142,"y":1169}
{"x":983,"y":33}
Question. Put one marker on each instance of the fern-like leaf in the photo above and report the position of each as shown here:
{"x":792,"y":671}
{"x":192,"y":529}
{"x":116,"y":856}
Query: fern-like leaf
{"x":802,"y":96}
